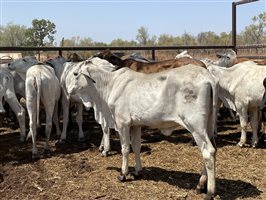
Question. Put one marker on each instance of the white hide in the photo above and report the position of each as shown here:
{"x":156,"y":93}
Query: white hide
{"x":241,"y":89}
{"x":42,"y":86}
{"x":8,"y":93}
{"x":126,"y":100}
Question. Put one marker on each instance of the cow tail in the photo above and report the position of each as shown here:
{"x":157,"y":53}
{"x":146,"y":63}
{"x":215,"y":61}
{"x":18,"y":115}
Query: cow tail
{"x":38,"y":88}
{"x":213,"y":111}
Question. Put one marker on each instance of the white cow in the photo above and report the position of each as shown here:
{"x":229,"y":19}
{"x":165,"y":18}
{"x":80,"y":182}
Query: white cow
{"x":8,"y":93}
{"x":226,"y":59}
{"x":127,"y":100}
{"x":63,"y":69}
{"x":42,"y":86}
{"x":241,"y":89}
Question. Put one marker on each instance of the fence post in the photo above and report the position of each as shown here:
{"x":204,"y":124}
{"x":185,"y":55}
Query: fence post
{"x":60,"y":53}
{"x":153,"y":54}
{"x":234,"y":26}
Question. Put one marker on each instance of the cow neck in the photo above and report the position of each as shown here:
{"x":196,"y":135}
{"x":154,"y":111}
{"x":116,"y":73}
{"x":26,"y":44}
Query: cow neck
{"x":104,"y":85}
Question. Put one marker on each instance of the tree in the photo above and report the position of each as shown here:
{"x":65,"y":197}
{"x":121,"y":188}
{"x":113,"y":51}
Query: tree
{"x":41,"y":33}
{"x":13,"y":35}
{"x":142,"y":36}
{"x":256,"y":32}
{"x":188,"y":39}
{"x":208,"y":38}
{"x":120,"y":42}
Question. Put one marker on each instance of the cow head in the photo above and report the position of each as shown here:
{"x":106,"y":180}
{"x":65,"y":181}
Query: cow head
{"x":23,"y":64}
{"x":58,"y":61}
{"x":226,"y":59}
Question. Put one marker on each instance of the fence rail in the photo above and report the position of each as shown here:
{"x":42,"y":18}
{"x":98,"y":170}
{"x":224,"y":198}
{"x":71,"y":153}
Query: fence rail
{"x":150,"y":48}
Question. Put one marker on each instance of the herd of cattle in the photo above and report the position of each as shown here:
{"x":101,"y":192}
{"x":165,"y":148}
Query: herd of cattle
{"x":128,"y":93}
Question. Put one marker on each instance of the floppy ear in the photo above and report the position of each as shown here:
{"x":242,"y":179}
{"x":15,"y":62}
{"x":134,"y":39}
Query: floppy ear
{"x":87,"y":74}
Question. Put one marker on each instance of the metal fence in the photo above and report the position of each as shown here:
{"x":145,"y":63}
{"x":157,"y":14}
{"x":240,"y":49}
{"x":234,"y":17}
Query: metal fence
{"x":153,"y":49}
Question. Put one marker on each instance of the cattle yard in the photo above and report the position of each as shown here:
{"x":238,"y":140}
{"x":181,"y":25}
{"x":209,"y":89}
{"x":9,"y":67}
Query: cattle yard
{"x":171,"y":166}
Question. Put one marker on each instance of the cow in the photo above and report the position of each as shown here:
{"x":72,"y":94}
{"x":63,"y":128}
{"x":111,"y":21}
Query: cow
{"x":241,"y":89}
{"x":127,"y":100}
{"x":63,"y":69}
{"x":41,"y":86}
{"x":230,"y":59}
{"x":147,"y":67}
{"x":8,"y":93}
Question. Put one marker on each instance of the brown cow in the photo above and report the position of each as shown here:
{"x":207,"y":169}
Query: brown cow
{"x":147,"y":67}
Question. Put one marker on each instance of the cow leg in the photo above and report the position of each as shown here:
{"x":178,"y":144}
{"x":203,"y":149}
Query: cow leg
{"x":33,"y":126}
{"x":65,"y":106}
{"x":55,"y":119}
{"x":254,"y":118}
{"x":20,"y":114}
{"x":105,"y":143}
{"x":49,"y":109}
{"x":125,"y":148}
{"x":135,"y":133}
{"x":79,"y":120}
{"x":209,"y":153}
{"x":243,"y":117}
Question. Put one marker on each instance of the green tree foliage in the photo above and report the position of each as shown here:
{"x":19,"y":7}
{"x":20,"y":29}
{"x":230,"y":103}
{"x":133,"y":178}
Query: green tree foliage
{"x":188,"y":39}
{"x":41,"y":33}
{"x":120,"y":42}
{"x":256,"y":32}
{"x":13,"y":35}
{"x":208,"y":38}
{"x":142,"y":36}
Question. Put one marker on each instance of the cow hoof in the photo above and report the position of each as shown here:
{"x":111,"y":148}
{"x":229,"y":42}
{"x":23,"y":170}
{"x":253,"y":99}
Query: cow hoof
{"x":47,"y":152}
{"x":200,"y":190}
{"x":135,"y":175}
{"x":35,"y":156}
{"x":121,"y":178}
{"x":105,"y":153}
{"x":62,"y":141}
{"x":208,"y":197}
{"x":240,"y":144}
{"x":255,"y":145}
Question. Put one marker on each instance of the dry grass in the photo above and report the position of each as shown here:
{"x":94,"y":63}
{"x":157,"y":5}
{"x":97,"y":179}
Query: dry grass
{"x":171,"y":167}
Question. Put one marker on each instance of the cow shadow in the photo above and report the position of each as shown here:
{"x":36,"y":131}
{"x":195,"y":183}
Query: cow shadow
{"x":17,"y":152}
{"x":226,"y":189}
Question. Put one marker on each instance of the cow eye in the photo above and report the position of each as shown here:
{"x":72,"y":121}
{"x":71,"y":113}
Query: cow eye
{"x":75,"y":73}
{"x":24,"y":60}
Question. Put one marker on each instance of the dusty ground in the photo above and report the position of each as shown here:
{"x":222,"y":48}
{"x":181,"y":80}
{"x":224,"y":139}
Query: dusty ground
{"x":171,"y":167}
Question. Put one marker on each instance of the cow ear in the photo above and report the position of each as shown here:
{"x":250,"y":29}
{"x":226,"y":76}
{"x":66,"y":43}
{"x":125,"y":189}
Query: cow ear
{"x":219,"y":55}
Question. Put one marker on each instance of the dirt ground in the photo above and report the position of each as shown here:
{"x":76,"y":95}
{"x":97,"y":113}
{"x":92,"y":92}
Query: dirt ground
{"x":171,"y":167}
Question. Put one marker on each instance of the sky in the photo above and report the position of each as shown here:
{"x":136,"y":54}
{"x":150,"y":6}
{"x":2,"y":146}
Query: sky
{"x":106,"y":20}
